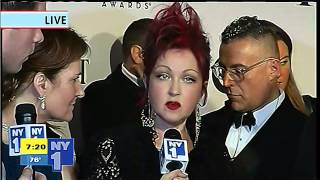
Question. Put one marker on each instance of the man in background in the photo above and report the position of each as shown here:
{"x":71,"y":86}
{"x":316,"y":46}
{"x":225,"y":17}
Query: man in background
{"x":115,"y":100}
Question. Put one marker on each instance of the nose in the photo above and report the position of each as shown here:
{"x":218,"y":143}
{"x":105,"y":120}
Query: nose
{"x":38,"y":37}
{"x":79,"y":92}
{"x":174,"y":88}
{"x":227,"y":80}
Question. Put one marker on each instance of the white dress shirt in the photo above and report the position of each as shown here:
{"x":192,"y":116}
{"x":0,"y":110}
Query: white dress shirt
{"x":129,"y":75}
{"x":237,"y":139}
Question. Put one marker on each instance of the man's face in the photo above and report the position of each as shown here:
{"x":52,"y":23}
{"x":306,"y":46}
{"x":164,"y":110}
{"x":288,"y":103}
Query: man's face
{"x":18,"y":44}
{"x":255,"y":89}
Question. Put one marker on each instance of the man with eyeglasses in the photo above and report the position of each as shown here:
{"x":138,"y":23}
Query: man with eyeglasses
{"x":255,"y":135}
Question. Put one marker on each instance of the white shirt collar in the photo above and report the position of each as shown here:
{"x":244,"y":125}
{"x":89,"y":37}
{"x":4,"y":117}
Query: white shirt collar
{"x":263,"y":114}
{"x":237,"y":139}
{"x":129,"y":75}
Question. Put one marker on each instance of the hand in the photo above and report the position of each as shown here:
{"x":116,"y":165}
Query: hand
{"x":27,"y":175}
{"x":175,"y":175}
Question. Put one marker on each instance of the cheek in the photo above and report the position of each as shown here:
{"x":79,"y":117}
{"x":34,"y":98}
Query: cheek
{"x":156,"y":93}
{"x":191,"y":96}
{"x":284,"y":72}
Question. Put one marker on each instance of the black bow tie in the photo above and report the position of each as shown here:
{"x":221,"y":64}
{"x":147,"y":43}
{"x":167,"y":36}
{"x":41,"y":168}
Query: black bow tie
{"x":248,"y":120}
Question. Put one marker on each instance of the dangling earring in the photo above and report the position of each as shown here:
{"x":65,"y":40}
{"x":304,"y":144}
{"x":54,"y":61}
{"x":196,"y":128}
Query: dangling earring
{"x":42,"y":100}
{"x":198,"y":124}
{"x":147,"y":120}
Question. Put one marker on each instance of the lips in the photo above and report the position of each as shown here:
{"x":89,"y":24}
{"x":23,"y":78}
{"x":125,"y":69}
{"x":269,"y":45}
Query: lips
{"x":172,"y":105}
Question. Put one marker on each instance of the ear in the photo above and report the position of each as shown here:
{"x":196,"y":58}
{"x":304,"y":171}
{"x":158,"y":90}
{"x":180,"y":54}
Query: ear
{"x":274,"y":67}
{"x":40,"y":82}
{"x":136,"y":54}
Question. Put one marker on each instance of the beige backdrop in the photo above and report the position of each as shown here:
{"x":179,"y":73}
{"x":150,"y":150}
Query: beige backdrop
{"x":104,"y":24}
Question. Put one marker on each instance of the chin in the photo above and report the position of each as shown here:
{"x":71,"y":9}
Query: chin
{"x":237,"y":107}
{"x":68,"y":118}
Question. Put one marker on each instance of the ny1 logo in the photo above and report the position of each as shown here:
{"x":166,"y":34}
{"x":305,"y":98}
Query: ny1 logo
{"x":176,"y":148}
{"x":60,"y":152}
{"x":24,"y":131}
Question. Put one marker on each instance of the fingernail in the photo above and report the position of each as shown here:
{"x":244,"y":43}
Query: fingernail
{"x":28,"y":166}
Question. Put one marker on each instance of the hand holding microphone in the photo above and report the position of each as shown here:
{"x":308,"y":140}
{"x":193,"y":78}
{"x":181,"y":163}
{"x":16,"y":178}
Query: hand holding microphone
{"x":175,"y":175}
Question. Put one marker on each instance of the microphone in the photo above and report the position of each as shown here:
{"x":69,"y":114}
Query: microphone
{"x":173,"y":153}
{"x":26,"y":127}
{"x":26,"y":114}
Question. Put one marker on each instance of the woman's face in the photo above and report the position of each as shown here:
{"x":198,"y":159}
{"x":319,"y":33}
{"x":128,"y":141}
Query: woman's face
{"x":175,"y":86}
{"x":284,"y":64}
{"x":63,"y":92}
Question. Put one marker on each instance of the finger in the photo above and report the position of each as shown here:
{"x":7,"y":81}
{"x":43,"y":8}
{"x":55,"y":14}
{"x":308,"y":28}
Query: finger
{"x":174,"y":174}
{"x":26,"y":174}
{"x":40,"y":176}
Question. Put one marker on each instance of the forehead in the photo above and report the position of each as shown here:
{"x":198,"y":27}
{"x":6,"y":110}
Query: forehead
{"x":246,"y":51}
{"x":283,"y":48}
{"x":178,"y":59}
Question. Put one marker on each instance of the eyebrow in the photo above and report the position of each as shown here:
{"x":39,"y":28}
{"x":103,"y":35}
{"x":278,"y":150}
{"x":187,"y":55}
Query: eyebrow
{"x":284,"y":57}
{"x":159,"y":66}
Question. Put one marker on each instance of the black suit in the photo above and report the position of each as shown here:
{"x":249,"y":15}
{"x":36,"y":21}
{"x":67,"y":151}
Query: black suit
{"x":108,"y":103}
{"x":270,"y":154}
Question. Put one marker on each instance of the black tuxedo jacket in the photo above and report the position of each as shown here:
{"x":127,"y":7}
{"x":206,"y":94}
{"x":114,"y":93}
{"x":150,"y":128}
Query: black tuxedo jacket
{"x":270,"y":154}
{"x":109,"y":102}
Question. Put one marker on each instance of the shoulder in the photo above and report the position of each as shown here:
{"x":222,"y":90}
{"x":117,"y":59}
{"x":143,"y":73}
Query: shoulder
{"x":310,"y":102}
{"x":216,"y":116}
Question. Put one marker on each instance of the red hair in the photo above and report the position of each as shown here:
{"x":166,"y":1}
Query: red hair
{"x":177,"y":27}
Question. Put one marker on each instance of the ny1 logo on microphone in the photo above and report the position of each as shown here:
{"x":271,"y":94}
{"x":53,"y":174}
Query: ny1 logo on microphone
{"x":176,"y":148}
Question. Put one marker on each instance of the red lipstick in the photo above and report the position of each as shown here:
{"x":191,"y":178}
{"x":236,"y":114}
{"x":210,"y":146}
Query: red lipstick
{"x":173,"y":105}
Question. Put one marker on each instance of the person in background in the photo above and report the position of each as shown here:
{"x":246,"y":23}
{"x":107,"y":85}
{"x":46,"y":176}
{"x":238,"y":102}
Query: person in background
{"x":50,"y":81}
{"x":16,"y":46}
{"x":306,"y":163}
{"x":115,"y":100}
{"x":256,"y":134}
{"x":177,"y":59}
{"x":305,"y":103}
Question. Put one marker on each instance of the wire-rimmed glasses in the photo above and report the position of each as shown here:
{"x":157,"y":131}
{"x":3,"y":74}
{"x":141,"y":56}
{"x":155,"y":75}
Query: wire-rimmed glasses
{"x":236,"y":73}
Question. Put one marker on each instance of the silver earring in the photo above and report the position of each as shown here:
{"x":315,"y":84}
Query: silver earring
{"x":147,"y":120}
{"x":42,"y":100}
{"x":198,"y":124}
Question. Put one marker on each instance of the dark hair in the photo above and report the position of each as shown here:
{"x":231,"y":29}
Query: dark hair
{"x":291,"y":88}
{"x":278,"y":33}
{"x":15,"y":5}
{"x":243,"y":27}
{"x":177,"y":27}
{"x":135,"y":35}
{"x":56,"y":52}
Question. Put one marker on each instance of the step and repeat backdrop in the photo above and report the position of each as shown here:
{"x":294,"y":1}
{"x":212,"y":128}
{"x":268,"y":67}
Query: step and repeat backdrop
{"x":103,"y":24}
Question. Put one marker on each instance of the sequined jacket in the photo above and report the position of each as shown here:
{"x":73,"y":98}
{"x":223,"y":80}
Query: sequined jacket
{"x":128,"y":152}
